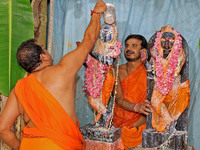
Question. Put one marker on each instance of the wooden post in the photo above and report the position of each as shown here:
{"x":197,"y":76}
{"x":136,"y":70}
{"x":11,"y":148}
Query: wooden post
{"x":40,"y":21}
{"x":50,"y":32}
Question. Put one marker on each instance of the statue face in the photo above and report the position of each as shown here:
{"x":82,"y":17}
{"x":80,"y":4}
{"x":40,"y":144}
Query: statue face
{"x":106,"y":33}
{"x":167,"y":40}
{"x":109,"y":15}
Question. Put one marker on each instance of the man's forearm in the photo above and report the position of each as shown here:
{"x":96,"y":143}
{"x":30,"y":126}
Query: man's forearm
{"x":10,"y":139}
{"x":125,"y":104}
{"x":92,"y":32}
{"x":143,"y":108}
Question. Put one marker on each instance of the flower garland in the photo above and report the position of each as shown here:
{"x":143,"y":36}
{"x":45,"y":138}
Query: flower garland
{"x":95,"y":75}
{"x":115,"y":50}
{"x":165,"y":80}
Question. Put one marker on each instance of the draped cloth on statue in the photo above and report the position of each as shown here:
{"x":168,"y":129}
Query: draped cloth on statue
{"x":134,"y":88}
{"x":173,"y":104}
{"x":169,"y":107}
{"x":51,"y":120}
{"x":100,"y":103}
{"x":107,"y":90}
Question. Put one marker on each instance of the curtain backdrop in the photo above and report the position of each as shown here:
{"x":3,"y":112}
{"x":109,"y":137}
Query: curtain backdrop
{"x":71,"y":18}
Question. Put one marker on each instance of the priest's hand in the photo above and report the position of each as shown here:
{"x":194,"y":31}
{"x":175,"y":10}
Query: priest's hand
{"x":100,"y":7}
{"x":144,"y":108}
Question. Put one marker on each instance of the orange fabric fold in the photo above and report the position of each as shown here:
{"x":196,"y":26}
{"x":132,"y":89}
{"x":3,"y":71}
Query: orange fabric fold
{"x":47,"y":114}
{"x":134,"y":88}
{"x":38,"y":144}
{"x":132,"y":137}
{"x":169,"y":107}
{"x":106,"y":90}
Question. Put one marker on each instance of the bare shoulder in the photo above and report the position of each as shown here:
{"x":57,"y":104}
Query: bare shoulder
{"x":122,"y":71}
{"x":56,"y":75}
{"x":73,"y":60}
{"x":122,"y":68}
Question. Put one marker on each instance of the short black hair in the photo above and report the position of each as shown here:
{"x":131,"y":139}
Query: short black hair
{"x":28,"y":55}
{"x":139,"y":37}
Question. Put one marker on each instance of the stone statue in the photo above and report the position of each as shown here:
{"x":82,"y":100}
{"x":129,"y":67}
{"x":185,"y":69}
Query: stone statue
{"x":99,"y":84}
{"x":99,"y":79}
{"x":168,"y":86}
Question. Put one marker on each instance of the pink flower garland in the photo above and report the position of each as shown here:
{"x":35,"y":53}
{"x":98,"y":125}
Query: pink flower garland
{"x":116,"y":50}
{"x":95,"y":75}
{"x":165,"y":84}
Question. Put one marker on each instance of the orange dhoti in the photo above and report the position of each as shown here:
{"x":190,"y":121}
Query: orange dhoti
{"x":134,"y":88}
{"x":38,"y":144}
{"x":54,"y":128}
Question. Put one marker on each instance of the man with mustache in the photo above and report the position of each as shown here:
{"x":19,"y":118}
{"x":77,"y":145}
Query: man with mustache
{"x":131,"y":105}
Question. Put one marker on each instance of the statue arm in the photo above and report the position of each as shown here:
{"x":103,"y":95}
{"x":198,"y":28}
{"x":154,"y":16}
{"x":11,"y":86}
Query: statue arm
{"x":7,"y":119}
{"x":181,"y":61}
{"x":75,"y":59}
{"x":147,"y":60}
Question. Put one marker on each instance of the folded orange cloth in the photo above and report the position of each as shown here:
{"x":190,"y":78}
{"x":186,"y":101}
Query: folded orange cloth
{"x":134,"y":88}
{"x":132,"y":137}
{"x":38,"y":144}
{"x":49,"y":117}
{"x":171,"y":105}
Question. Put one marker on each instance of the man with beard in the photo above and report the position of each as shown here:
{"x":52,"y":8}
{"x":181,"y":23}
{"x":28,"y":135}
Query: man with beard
{"x":131,"y":105}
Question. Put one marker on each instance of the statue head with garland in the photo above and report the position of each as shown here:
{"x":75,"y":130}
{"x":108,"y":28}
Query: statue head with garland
{"x":167,"y":38}
{"x":164,"y":42}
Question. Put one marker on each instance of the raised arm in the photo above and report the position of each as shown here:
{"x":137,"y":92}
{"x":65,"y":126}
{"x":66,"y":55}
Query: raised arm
{"x":75,"y":59}
{"x":7,"y":118}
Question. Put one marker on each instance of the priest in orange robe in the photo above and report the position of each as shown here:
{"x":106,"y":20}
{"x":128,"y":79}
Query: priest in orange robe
{"x":46,"y":98}
{"x":50,"y":119}
{"x":131,"y":106}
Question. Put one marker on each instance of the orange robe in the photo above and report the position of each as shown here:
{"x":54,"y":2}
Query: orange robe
{"x":134,"y":88}
{"x":54,"y":128}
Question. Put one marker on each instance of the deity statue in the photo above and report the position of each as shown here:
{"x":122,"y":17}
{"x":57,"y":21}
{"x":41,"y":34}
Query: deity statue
{"x":168,"y":84}
{"x":170,"y":97}
{"x":99,"y":75}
